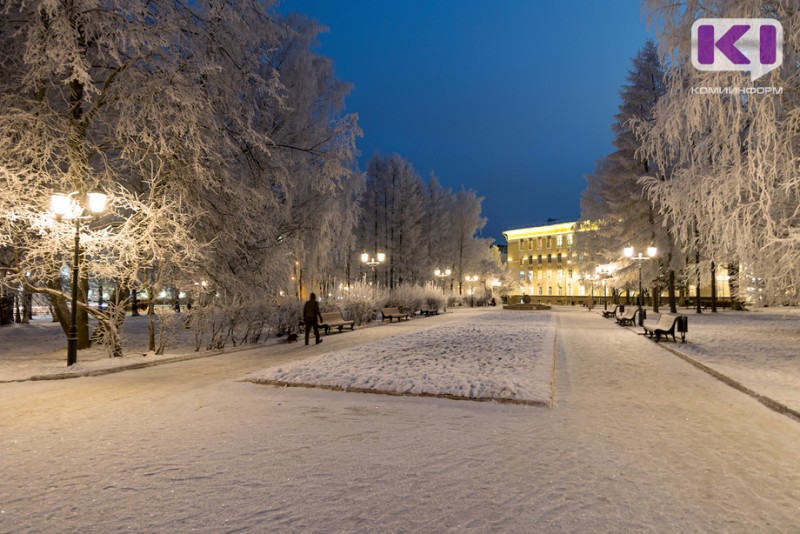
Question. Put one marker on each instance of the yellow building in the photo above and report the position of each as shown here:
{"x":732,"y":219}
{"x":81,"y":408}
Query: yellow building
{"x":546,"y":265}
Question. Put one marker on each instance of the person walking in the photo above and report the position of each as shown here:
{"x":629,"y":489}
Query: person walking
{"x":310,"y":315}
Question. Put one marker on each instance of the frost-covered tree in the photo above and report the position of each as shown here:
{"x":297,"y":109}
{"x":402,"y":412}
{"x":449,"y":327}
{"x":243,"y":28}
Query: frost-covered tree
{"x":614,"y":207}
{"x":436,"y":227}
{"x":421,"y":228}
{"x":178,"y":111}
{"x":315,"y":157}
{"x":466,"y":249}
{"x":392,"y":210}
{"x":732,"y":189}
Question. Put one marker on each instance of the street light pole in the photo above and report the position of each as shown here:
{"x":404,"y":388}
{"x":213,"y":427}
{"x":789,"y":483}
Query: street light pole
{"x":372,"y":262}
{"x":471,"y":280}
{"x":651,"y":252}
{"x":441,"y":275}
{"x":65,"y":206}
{"x":72,"y":335}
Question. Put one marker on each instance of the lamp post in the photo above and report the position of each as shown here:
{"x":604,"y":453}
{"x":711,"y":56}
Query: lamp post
{"x":604,"y":272}
{"x":442,"y":275}
{"x":651,"y":252}
{"x":67,"y":207}
{"x":372,"y":262}
{"x":471,"y":280}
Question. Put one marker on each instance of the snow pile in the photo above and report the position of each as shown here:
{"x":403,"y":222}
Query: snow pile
{"x":502,"y":356}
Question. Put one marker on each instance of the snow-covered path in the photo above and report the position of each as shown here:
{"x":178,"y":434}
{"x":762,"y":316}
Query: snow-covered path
{"x":639,"y":441}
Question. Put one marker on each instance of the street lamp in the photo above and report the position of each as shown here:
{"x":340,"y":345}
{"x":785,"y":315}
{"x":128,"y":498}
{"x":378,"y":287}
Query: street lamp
{"x":67,"y":207}
{"x":372,"y":262}
{"x":442,"y":275}
{"x":471,"y":280}
{"x":651,"y":252}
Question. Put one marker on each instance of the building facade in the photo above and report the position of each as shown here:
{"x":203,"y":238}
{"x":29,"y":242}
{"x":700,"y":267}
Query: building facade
{"x":546,"y":265}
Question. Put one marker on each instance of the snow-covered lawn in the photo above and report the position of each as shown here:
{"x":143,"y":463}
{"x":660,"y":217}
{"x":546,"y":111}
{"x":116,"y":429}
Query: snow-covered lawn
{"x":498,"y":355}
{"x":759,"y":349}
{"x":458,"y":354}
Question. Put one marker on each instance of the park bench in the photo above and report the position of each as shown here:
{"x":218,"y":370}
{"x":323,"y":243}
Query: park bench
{"x":626,"y":318}
{"x":610,"y":313}
{"x":393,"y":313}
{"x":666,"y":326}
{"x":335,"y":320}
{"x":428,"y":310}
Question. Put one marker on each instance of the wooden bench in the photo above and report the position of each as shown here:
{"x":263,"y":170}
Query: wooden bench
{"x":666,"y":326}
{"x":393,"y":313}
{"x":335,"y":320}
{"x":428,"y":310}
{"x":627,"y":317}
{"x":610,"y":313}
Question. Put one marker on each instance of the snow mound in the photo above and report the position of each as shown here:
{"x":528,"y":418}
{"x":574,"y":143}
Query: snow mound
{"x":506,"y":356}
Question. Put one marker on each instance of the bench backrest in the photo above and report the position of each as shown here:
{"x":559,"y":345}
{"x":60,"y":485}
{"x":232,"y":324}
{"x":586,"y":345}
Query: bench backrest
{"x":628,"y":314}
{"x":665,"y":321}
{"x":390,"y":311}
{"x":332,"y":316}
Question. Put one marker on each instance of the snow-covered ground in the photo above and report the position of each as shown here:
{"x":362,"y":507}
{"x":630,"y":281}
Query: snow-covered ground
{"x":757,"y":349}
{"x":637,"y":441}
{"x":503,"y":356}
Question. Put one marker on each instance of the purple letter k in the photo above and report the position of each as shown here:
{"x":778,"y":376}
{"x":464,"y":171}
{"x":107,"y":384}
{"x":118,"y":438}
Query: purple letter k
{"x":726,"y":44}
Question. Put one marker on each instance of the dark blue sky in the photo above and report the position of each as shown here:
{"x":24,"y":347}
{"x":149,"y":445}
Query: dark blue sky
{"x":512,"y":98}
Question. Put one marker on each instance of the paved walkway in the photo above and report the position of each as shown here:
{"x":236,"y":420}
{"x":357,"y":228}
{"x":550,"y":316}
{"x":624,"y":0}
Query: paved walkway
{"x":640,"y":441}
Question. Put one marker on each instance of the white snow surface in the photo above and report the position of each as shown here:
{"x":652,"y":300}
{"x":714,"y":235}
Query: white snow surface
{"x":504,"y":356}
{"x":637,"y":440}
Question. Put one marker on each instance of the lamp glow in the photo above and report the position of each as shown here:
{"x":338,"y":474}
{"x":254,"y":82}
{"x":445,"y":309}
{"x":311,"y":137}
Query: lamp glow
{"x":97,"y":201}
{"x":60,"y":204}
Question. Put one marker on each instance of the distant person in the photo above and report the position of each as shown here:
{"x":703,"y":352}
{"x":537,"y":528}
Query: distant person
{"x":310,"y":315}
{"x":494,"y":302}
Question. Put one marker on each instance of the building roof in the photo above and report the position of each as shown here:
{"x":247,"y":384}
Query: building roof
{"x":536,"y":231}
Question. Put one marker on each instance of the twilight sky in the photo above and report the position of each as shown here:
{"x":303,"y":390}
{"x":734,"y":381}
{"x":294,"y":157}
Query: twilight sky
{"x":511,"y":98}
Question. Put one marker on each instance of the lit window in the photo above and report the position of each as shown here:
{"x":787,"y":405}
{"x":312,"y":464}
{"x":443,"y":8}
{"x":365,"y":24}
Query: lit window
{"x":569,"y":239}
{"x":530,"y":275}
{"x":560,"y":274}
{"x":559,"y":240}
{"x":549,"y":290}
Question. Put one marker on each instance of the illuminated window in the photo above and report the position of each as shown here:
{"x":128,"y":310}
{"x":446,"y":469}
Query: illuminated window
{"x":559,"y":291}
{"x":549,"y":242}
{"x":559,"y":240}
{"x":540,"y":246}
{"x":549,"y":290}
{"x":569,"y":273}
{"x":569,"y":239}
{"x":530,"y":275}
{"x":560,"y":274}
{"x":522,"y":275}
{"x":540,"y":290}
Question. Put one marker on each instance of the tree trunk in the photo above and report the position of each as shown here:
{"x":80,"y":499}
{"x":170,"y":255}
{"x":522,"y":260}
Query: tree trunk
{"x":713,"y":287}
{"x":671,"y":296}
{"x":83,"y":317}
{"x":656,"y":295}
{"x":60,"y":309}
